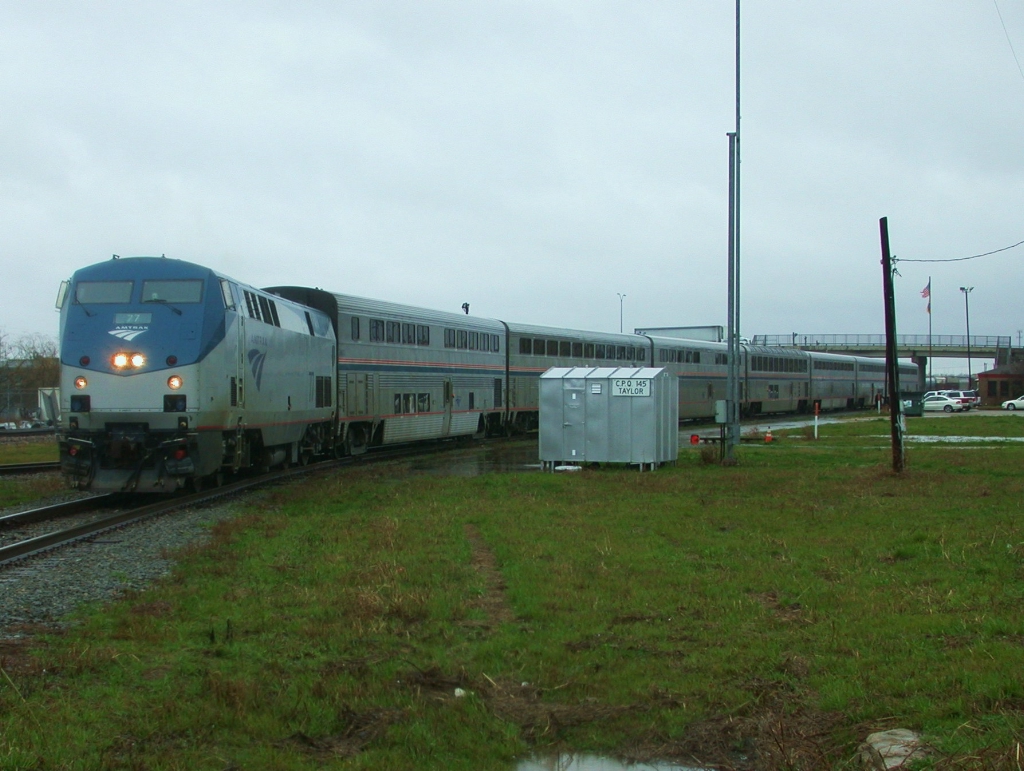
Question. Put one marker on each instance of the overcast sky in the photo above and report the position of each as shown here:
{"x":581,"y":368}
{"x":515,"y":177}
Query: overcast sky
{"x":533,"y":158}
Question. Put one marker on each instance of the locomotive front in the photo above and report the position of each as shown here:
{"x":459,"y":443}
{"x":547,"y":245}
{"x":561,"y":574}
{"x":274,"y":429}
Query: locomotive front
{"x":134,"y":335}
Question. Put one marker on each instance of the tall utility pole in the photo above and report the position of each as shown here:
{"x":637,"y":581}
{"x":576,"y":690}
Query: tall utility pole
{"x":621,"y":298}
{"x":733,"y":396}
{"x":891,"y":362}
{"x":967,"y":310}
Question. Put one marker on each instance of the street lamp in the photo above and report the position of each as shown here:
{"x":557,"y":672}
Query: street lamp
{"x":621,"y":298}
{"x":967,"y":310}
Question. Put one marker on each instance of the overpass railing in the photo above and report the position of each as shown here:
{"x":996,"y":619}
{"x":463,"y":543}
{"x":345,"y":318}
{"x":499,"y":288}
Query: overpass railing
{"x":919,"y":342}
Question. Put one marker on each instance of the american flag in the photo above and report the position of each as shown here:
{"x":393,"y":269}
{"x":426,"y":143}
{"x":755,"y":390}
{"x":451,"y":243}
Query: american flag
{"x":927,"y":292}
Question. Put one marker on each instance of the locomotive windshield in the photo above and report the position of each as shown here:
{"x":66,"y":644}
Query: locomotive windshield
{"x":172,"y":291}
{"x":93,"y":292}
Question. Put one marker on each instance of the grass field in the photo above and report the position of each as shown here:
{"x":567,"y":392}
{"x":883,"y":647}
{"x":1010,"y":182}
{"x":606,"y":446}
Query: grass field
{"x":768,"y":615}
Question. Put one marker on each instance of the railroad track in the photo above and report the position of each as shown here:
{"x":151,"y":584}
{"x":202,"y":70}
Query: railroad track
{"x":123,"y":517}
{"x":29,"y":468}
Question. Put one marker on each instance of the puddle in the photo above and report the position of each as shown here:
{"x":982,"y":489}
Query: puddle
{"x":594,"y":763}
{"x":475,"y":461}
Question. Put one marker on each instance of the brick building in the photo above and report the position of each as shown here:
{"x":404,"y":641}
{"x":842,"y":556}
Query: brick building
{"x":1002,"y":383}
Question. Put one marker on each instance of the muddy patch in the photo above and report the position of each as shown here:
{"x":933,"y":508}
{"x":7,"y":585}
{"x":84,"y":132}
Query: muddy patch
{"x":492,"y":602}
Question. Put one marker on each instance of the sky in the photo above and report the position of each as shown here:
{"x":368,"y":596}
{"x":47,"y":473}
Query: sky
{"x":535,"y":158}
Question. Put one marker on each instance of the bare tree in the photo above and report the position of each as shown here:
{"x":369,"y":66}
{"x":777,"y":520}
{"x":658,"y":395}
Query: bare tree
{"x":27,"y":364}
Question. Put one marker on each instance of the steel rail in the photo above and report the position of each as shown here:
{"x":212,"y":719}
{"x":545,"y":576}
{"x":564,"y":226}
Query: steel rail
{"x":56,"y":511}
{"x":29,"y":468}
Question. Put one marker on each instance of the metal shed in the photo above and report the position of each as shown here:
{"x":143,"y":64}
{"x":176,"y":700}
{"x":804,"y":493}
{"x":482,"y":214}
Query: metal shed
{"x":609,"y":415}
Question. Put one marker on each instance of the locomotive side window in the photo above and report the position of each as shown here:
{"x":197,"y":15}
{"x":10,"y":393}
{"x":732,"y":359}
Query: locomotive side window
{"x":252,"y":306}
{"x":422,"y":334}
{"x":268,"y":317}
{"x":376,"y":331}
{"x":89,"y":292}
{"x":394,"y":332}
{"x":355,"y":327}
{"x":525,"y":345}
{"x":495,"y":343}
{"x":225,"y":293}
{"x":449,"y":338}
{"x":172,"y":291}
{"x":462,"y":338}
{"x":474,"y":341}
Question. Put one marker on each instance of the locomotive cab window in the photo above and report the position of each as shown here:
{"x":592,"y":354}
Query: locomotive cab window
{"x":172,"y":291}
{"x":96,"y":292}
{"x":225,"y":293}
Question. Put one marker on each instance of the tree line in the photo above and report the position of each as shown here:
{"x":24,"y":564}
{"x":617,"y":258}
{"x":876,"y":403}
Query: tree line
{"x":27,"y":363}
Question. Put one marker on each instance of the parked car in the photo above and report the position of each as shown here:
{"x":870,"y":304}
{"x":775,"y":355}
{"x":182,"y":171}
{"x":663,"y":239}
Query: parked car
{"x":975,"y":398}
{"x":1014,"y":404}
{"x":966,"y":398}
{"x":943,"y":403}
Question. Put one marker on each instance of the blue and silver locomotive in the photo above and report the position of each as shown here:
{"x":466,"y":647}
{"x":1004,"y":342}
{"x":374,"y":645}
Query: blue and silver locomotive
{"x":173,"y":374}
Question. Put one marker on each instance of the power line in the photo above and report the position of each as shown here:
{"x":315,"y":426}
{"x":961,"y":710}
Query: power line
{"x":1005,"y":32}
{"x":972,"y":257}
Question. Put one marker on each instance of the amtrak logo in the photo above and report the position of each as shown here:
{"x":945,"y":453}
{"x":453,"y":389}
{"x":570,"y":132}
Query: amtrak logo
{"x":256,"y":359}
{"x":128,"y":334}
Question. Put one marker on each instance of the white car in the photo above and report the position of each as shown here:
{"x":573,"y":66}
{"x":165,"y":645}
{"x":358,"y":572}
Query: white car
{"x":943,"y":403}
{"x":1014,"y":404}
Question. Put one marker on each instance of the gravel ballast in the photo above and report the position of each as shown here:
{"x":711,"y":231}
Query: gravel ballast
{"x":45,"y":588}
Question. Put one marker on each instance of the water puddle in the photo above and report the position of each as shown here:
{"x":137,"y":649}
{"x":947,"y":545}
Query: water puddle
{"x":567,"y":762}
{"x":476,"y":461}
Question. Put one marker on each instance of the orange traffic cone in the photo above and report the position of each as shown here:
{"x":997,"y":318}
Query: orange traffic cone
{"x":768,"y":436}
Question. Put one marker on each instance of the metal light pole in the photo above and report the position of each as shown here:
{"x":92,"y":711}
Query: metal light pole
{"x":621,"y":298}
{"x":967,"y":310}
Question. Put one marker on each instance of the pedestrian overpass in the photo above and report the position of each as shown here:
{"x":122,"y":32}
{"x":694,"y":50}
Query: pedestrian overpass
{"x":917,"y":348}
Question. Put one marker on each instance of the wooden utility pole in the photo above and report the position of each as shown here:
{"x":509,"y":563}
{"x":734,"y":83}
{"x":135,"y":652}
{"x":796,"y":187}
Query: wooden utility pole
{"x":891,"y":362}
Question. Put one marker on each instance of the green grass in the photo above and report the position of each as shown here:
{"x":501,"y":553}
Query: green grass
{"x":787,"y":605}
{"x":28,"y":451}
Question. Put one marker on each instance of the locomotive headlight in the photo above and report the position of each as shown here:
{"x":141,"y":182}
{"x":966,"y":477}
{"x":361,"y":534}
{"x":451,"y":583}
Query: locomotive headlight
{"x":137,"y":360}
{"x":119,"y":360}
{"x":174,"y":382}
{"x":81,"y":382}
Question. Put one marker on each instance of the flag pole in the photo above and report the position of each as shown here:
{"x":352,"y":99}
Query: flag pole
{"x":930,"y":357}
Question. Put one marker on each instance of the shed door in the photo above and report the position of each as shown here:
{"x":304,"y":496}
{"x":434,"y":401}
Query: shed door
{"x":574,"y":420}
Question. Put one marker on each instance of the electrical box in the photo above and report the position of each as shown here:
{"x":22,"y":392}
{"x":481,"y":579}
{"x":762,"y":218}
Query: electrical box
{"x":721,"y":411}
{"x":609,"y":415}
